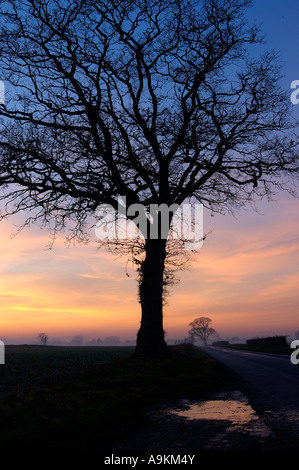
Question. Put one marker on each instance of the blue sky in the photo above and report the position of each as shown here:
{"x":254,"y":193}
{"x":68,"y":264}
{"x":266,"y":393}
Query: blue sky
{"x":280,"y":23}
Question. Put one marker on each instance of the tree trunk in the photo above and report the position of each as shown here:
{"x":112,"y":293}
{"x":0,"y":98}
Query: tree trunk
{"x":150,"y":337}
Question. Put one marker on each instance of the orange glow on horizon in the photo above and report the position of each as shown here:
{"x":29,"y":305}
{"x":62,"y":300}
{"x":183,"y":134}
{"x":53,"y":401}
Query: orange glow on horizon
{"x":245,"y":278}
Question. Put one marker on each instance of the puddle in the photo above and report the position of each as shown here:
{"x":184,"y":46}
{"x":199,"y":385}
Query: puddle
{"x":233,"y":408}
{"x":230,"y":410}
{"x":236,"y":411}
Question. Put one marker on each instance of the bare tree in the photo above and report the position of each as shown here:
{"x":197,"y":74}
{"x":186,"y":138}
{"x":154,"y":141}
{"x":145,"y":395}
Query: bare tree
{"x":44,"y":338}
{"x":158,"y":102}
{"x":201,"y":329}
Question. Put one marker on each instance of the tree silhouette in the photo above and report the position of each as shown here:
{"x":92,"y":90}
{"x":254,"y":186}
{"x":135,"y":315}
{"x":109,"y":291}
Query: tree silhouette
{"x":158,"y":102}
{"x":200,"y":328}
{"x":44,"y":338}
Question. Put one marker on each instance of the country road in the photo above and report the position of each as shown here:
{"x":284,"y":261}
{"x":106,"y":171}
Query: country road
{"x":270,"y":380}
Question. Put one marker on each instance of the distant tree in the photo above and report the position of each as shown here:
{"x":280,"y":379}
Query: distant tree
{"x":43,"y":338}
{"x":297,"y":334}
{"x":200,"y":328}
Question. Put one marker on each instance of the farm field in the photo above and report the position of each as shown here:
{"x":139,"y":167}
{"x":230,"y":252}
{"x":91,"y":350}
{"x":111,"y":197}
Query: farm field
{"x":32,"y":367}
{"x":89,"y":398}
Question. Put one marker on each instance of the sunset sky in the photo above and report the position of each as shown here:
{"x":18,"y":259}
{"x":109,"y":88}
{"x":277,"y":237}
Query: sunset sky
{"x":245,"y":277}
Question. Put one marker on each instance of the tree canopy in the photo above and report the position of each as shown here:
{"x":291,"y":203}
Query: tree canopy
{"x":201,"y":329}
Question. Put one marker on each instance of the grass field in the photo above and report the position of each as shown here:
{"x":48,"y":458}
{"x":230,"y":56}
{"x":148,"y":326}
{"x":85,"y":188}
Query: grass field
{"x":88,"y":398}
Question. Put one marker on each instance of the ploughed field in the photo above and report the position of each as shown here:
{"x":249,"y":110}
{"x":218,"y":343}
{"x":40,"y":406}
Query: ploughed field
{"x":32,"y":367}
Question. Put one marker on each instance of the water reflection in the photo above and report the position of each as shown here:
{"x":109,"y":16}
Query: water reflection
{"x":233,"y":408}
{"x":236,"y":410}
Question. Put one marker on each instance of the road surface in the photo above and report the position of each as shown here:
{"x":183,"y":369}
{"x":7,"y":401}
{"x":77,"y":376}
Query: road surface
{"x":270,"y":380}
{"x":271,"y":384}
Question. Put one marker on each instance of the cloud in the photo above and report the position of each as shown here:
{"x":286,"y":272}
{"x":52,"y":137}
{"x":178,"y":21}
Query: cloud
{"x":282,"y":287}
